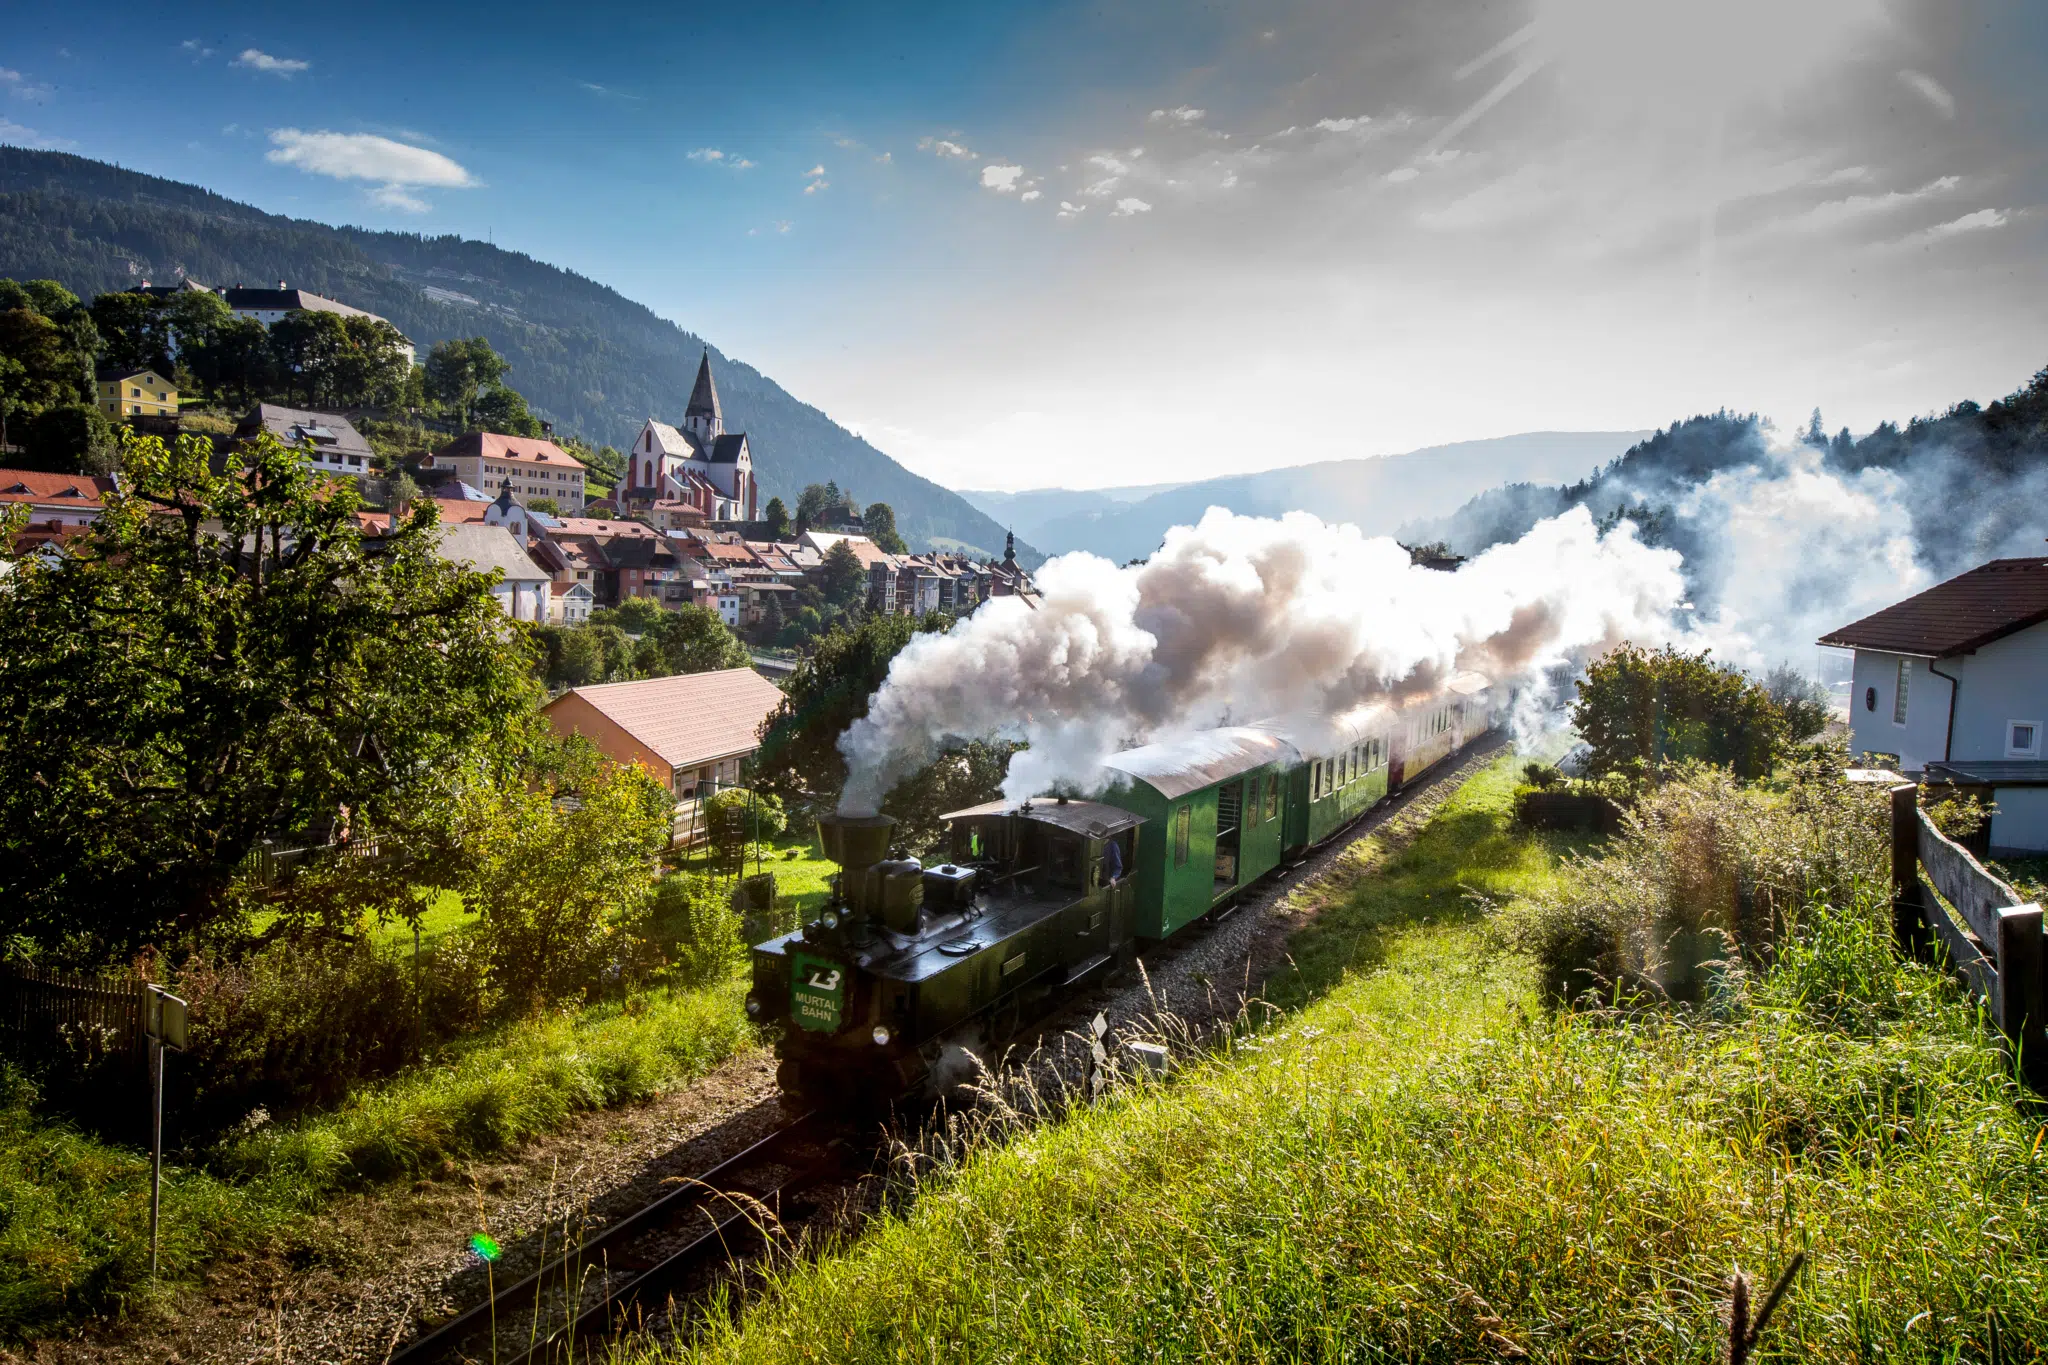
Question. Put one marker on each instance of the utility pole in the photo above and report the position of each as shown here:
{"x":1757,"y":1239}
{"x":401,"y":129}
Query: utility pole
{"x":166,"y":1019}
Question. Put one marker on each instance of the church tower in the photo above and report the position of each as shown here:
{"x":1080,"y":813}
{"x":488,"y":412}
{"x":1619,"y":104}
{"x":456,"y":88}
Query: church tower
{"x":702,"y":419}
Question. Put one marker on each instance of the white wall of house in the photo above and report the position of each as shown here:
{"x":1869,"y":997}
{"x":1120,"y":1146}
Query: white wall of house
{"x":2004,"y":684}
{"x":2019,"y":820}
{"x":523,"y":600}
{"x":1873,"y":708}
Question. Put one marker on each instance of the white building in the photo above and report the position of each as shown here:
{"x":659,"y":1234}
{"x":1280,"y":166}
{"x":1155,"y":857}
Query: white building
{"x":331,"y":439}
{"x":523,"y":586}
{"x":1952,"y":685}
{"x":572,"y":607}
{"x":527,"y":466}
{"x":274,"y":305}
{"x":699,"y":463}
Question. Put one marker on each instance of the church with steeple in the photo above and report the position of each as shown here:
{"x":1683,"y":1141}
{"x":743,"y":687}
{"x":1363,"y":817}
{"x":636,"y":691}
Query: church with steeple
{"x":700,"y":465}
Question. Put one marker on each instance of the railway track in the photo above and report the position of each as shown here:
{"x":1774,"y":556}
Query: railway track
{"x":629,"y":1271}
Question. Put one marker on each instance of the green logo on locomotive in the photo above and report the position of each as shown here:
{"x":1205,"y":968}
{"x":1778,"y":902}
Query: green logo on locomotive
{"x":817,"y":992}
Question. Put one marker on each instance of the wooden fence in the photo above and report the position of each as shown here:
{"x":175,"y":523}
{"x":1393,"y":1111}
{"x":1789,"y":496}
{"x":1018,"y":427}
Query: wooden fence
{"x":90,"y":1017}
{"x":1997,"y":947}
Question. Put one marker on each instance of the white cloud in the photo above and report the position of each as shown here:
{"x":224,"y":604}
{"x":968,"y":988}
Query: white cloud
{"x":1181,"y":115}
{"x":396,"y":196}
{"x":1848,"y":175}
{"x":1340,"y":125}
{"x":255,"y":59}
{"x":885,"y":158}
{"x":398,"y":168}
{"x":711,"y":156}
{"x":1001,"y":178}
{"x":606,"y":92}
{"x":1931,"y":90}
{"x":939,"y":146}
{"x":816,"y":170}
{"x":1028,"y":196}
{"x":1983,"y":220}
{"x":14,"y":133}
{"x":817,"y":185}
{"x":22,"y":88}
{"x":1402,"y":175}
{"x":1071,"y":210}
{"x":1835,"y":213}
{"x":1126,"y":208}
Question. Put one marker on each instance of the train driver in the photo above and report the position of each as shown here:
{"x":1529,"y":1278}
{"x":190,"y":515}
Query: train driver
{"x":1112,"y":862}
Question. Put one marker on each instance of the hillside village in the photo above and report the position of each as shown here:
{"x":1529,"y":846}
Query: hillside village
{"x":680,"y":521}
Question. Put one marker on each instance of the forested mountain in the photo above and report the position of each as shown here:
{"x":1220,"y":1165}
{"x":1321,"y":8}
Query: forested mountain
{"x":1936,"y":496}
{"x":590,"y":360}
{"x":1377,"y":495}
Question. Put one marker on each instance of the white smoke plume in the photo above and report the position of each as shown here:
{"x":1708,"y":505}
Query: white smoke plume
{"x":1787,"y":550}
{"x":1241,"y":619}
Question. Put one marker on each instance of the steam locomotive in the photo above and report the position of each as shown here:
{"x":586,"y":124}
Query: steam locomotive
{"x":1042,"y":897}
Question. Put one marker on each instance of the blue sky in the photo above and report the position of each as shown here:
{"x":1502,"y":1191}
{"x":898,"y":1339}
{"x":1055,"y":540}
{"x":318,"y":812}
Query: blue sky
{"x":1128,"y":242}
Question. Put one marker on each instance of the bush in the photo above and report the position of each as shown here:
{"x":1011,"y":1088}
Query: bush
{"x":736,"y":815}
{"x":695,"y":928}
{"x":1644,"y":712}
{"x":1705,"y":871}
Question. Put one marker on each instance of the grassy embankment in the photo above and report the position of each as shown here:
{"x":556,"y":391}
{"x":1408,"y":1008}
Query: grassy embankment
{"x":74,"y":1211}
{"x":1423,"y":1163}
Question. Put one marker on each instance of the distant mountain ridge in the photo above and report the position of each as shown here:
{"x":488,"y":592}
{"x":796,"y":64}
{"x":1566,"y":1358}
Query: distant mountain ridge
{"x":1378,"y":494}
{"x":586,"y":357}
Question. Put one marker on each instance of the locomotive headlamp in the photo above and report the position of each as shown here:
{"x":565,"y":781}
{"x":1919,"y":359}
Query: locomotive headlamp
{"x":882,"y":1035}
{"x":829,"y":920}
{"x":753,"y":1005}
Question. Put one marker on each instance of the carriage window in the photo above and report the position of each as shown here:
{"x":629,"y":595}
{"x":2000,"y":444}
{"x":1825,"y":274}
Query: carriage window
{"x":1251,"y":805}
{"x":1272,"y":795}
{"x":1183,"y":820}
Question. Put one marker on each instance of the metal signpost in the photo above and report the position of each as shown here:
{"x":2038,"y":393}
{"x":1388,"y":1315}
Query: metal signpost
{"x":165,"y":1018}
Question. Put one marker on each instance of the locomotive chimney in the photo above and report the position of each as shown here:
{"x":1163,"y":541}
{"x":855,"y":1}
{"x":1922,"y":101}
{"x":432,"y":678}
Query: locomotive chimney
{"x":856,"y":842}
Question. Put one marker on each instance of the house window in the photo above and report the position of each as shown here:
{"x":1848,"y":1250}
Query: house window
{"x":1183,"y":821}
{"x":1899,"y":697}
{"x":2023,"y":739}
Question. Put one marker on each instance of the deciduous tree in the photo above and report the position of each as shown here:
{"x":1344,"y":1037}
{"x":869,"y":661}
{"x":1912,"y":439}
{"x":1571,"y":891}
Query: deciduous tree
{"x":880,"y":523}
{"x":223,"y":660}
{"x":1643,"y":712}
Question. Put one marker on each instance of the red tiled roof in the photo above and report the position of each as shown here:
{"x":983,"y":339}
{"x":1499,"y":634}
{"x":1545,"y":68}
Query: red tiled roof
{"x":490,"y":445}
{"x":67,"y":490}
{"x":456,"y":511}
{"x":1967,"y":612}
{"x":689,"y":720}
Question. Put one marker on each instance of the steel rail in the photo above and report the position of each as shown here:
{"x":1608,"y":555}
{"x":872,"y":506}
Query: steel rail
{"x":568,"y":1268}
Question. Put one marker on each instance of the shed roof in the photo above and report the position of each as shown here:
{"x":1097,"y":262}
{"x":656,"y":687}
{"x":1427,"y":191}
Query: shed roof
{"x":690,"y":719}
{"x":1176,"y":767}
{"x":1091,"y":819}
{"x":1967,"y":612}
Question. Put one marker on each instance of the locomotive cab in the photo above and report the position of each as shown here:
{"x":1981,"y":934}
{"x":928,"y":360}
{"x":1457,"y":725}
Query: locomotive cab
{"x":905,"y":958}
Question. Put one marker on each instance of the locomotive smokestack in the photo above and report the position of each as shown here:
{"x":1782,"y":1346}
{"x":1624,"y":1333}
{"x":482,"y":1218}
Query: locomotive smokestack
{"x":856,"y":841}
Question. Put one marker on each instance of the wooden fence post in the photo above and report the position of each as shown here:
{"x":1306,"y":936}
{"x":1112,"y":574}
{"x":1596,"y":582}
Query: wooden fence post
{"x":1909,"y":914}
{"x":2020,"y":988}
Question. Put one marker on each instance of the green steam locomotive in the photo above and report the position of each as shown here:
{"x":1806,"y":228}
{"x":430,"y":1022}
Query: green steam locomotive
{"x":1038,"y":898}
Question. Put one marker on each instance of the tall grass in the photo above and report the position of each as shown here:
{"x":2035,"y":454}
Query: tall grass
{"x":1426,"y":1164}
{"x":525,"y":1081}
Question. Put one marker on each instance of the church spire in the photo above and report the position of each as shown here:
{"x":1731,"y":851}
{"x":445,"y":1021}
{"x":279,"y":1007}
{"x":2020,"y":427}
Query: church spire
{"x":702,"y":416}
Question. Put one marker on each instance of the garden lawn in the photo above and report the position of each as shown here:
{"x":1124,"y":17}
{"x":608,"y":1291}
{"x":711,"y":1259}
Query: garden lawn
{"x":1423,"y":1164}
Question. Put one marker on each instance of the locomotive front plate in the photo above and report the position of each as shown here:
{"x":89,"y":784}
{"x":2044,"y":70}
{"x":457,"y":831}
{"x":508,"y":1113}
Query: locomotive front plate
{"x":817,"y":992}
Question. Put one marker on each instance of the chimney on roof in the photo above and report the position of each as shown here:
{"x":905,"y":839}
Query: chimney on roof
{"x":280,"y":284}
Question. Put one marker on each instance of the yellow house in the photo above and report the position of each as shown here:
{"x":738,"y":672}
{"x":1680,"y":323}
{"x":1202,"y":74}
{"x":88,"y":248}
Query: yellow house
{"x":136,"y":393}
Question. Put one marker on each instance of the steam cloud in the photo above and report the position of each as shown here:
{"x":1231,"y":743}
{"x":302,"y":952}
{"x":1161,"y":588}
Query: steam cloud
{"x":1240,"y":619}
